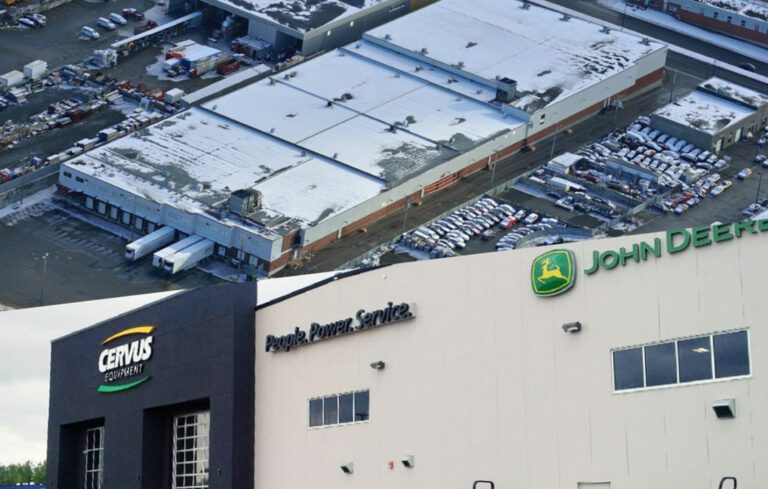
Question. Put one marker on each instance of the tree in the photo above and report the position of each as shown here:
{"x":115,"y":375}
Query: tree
{"x":25,"y":472}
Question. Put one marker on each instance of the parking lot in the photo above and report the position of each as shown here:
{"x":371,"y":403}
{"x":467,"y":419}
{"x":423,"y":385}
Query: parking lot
{"x":84,"y":262}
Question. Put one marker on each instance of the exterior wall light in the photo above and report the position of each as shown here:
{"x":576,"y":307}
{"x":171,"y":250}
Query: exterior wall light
{"x":347,"y":468}
{"x":407,"y":461}
{"x":378,"y":365}
{"x":572,"y":327}
{"x":725,"y":408}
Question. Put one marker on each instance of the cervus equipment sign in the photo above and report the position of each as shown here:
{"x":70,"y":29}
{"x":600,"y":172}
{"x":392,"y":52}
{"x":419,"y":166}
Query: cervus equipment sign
{"x":126,"y":360}
{"x":554,"y":272}
{"x":363,"y":320}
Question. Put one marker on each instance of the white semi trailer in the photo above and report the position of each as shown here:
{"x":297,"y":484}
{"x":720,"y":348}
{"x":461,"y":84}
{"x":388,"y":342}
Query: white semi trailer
{"x":188,"y":257}
{"x":150,"y":243}
{"x":160,"y":256}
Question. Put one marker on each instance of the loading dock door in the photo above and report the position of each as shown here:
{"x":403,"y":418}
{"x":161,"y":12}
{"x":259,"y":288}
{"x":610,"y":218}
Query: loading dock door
{"x":738,"y":134}
{"x":719,"y":145}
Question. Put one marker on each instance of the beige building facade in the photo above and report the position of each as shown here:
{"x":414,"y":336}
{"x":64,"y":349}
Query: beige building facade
{"x":469,"y":376}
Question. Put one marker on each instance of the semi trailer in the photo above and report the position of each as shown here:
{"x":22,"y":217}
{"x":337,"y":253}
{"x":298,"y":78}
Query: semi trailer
{"x":188,"y":257}
{"x":150,"y":243}
{"x":160,"y":256}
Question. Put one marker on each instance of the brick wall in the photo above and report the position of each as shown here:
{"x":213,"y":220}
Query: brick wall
{"x":721,"y":25}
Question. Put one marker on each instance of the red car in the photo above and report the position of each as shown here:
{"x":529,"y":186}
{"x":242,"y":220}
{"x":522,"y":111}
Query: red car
{"x":133,"y":14}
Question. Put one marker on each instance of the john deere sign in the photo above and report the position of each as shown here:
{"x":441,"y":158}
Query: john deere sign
{"x":553,"y":272}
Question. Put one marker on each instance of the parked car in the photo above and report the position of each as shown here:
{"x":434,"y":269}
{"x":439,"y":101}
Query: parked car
{"x":716,"y":191}
{"x":89,"y":32}
{"x":133,"y":14}
{"x":117,"y":19}
{"x":105,"y":23}
{"x":744,"y":174}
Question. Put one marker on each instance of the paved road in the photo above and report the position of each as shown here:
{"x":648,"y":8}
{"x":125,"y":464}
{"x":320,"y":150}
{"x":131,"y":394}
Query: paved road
{"x":387,"y":228}
{"x":593,"y":9}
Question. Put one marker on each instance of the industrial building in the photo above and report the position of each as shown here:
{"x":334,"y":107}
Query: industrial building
{"x":716,"y":115}
{"x":745,"y":19}
{"x":302,"y":26}
{"x":291,"y":163}
{"x":623,"y":363}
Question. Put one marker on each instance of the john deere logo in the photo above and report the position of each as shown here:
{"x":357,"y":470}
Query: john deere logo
{"x":126,"y":360}
{"x":553,"y":273}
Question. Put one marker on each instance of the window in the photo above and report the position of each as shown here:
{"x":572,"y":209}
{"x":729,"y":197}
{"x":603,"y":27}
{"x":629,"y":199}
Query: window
{"x":79,"y":180}
{"x":190,"y":451}
{"x":743,"y":23}
{"x":351,"y":407}
{"x":715,"y":15}
{"x":704,"y":358}
{"x":94,"y":456}
{"x":67,"y":174}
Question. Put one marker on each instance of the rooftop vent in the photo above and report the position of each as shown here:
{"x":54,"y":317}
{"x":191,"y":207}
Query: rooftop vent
{"x":506,"y":90}
{"x":244,"y":202}
{"x":565,"y":18}
{"x":470,"y":44}
{"x":646,"y":41}
{"x":605,"y":30}
{"x":525,"y":5}
{"x":423,"y":51}
{"x":460,"y":65}
{"x":418,"y":68}
{"x":272,"y":81}
{"x":387,"y":37}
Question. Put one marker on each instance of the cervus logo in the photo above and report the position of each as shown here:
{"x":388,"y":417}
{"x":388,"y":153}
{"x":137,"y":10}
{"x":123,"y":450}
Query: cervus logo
{"x":553,"y":273}
{"x":126,"y":360}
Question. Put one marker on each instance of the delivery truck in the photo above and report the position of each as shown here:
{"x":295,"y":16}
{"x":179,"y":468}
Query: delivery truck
{"x":150,"y":243}
{"x":188,"y":257}
{"x":158,"y":257}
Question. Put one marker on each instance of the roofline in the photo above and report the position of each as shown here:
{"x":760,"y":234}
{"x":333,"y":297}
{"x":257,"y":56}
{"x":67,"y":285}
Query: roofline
{"x":340,"y":275}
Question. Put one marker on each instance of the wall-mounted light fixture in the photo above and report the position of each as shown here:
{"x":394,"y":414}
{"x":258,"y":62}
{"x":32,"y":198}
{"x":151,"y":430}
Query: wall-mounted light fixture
{"x":574,"y":327}
{"x":725,"y":408}
{"x":379,"y":365}
{"x":407,"y":461}
{"x":347,"y":468}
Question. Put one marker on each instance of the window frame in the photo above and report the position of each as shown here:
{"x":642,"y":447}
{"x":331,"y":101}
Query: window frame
{"x":195,"y":449}
{"x":338,"y":409}
{"x":678,"y":384}
{"x":88,"y":453}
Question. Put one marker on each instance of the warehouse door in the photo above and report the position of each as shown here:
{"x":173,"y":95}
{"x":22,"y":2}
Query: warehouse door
{"x":719,"y":145}
{"x":738,"y":134}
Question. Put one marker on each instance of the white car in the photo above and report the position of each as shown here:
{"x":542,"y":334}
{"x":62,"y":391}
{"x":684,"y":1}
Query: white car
{"x":117,"y":19}
{"x":105,"y":24}
{"x":744,"y":174}
{"x":89,"y":32}
{"x":531,"y":218}
{"x":716,"y":191}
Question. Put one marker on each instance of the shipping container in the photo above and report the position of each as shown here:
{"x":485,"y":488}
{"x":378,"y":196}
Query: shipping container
{"x":150,"y":243}
{"x":158,"y":257}
{"x":188,"y":257}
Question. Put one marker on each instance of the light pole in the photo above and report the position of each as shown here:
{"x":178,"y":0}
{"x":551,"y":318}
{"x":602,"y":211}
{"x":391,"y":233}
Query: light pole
{"x":554,"y":141}
{"x":45,"y":272}
{"x":405,"y":214}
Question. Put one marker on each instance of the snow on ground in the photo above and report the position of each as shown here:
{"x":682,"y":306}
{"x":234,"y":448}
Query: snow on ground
{"x":3,"y":307}
{"x":665,"y":20}
{"x":24,"y":208}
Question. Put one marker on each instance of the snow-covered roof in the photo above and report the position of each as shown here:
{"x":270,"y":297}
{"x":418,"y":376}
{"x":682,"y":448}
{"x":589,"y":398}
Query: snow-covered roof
{"x":301,"y":15}
{"x":735,"y":92}
{"x":704,"y":112}
{"x":549,"y":56}
{"x":195,"y":159}
{"x":751,"y":8}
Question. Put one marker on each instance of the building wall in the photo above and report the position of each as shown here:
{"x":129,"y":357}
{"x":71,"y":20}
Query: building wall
{"x":699,"y":138}
{"x":484,"y":384}
{"x":201,"y":354}
{"x":726,"y":21}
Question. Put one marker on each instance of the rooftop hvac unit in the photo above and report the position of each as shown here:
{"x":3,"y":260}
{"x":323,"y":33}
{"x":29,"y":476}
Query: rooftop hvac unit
{"x":565,"y":18}
{"x":506,"y":90}
{"x":605,"y":30}
{"x":525,"y":5}
{"x":245,"y":201}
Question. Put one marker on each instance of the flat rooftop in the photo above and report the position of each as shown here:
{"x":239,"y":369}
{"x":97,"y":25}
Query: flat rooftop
{"x":550,"y":58}
{"x":704,"y":112}
{"x":735,"y":92}
{"x":751,"y":8}
{"x":301,"y":15}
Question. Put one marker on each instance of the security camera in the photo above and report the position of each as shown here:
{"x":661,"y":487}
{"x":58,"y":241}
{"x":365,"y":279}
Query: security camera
{"x":574,"y":327}
{"x":407,"y":461}
{"x":347,"y":468}
{"x":378,"y":365}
